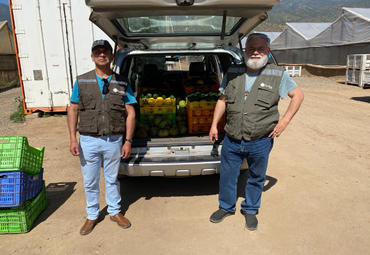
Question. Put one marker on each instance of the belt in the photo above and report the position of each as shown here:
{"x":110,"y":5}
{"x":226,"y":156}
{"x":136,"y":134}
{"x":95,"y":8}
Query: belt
{"x":95,"y":135}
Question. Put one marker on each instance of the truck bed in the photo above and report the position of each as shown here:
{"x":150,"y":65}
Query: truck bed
{"x":188,"y":140}
{"x":173,"y":156}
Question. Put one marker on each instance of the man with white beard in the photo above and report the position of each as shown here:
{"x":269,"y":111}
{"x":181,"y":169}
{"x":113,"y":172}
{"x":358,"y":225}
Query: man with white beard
{"x":250,"y":96}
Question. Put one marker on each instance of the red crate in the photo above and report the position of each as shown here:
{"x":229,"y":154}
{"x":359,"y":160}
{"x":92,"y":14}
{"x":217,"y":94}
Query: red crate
{"x":205,"y":87}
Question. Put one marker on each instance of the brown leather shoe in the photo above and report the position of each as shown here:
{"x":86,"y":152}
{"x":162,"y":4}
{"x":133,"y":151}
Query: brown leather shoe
{"x":121,"y":220}
{"x":88,"y":226}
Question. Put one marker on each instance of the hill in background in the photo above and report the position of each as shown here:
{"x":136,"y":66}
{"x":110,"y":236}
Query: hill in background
{"x":306,"y":11}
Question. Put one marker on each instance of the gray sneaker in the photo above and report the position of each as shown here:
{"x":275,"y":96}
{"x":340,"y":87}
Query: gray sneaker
{"x":251,"y":221}
{"x":220,"y":215}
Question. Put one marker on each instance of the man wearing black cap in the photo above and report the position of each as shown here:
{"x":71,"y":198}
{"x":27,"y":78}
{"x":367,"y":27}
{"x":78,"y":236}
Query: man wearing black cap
{"x":103,"y":101}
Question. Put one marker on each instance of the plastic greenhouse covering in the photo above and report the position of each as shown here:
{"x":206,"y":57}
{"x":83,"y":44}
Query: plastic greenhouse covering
{"x":6,"y":39}
{"x":298,"y":35}
{"x":8,"y":60}
{"x":325,"y":43}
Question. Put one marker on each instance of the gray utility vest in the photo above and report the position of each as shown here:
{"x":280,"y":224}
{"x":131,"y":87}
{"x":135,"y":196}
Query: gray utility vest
{"x":100,"y":116}
{"x":258,"y":114}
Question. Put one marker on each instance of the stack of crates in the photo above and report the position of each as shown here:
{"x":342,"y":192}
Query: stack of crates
{"x":22,"y":189}
{"x":151,"y":108}
{"x":200,"y":117}
{"x":200,"y":113}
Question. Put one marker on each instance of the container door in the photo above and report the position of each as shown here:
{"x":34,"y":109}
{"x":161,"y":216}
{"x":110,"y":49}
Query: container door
{"x":54,"y":41}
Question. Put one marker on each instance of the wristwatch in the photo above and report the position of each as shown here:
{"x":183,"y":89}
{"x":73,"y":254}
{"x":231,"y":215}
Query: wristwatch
{"x":128,"y":140}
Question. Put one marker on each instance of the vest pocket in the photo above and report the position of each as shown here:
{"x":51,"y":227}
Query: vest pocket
{"x":230,"y":97}
{"x":117,"y":125}
{"x":265,"y":97}
{"x":117,"y":102}
{"x":230,"y":92}
{"x":88,"y":122}
{"x":87,"y":101}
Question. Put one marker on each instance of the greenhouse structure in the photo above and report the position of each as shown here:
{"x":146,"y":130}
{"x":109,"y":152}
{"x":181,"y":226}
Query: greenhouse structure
{"x":325,"y":43}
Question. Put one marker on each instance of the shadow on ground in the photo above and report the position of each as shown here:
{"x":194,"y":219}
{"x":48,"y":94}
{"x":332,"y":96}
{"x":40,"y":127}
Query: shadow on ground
{"x":134,"y":188}
{"x":362,"y":99}
{"x":56,"y":194}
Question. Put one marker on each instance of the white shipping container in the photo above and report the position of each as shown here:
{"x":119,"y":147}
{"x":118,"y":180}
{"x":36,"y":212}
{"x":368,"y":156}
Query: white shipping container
{"x":53,"y":44}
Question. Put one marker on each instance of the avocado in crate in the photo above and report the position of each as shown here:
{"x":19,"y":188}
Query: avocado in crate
{"x":157,"y":99}
{"x":20,"y":219}
{"x":16,"y":187}
{"x":202,"y":100}
{"x":17,"y":155}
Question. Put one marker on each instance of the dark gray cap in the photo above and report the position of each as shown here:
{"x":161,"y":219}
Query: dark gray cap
{"x":104,"y":43}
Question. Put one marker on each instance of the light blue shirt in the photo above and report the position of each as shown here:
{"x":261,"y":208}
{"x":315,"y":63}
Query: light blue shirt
{"x":128,"y":99}
{"x":286,"y":85}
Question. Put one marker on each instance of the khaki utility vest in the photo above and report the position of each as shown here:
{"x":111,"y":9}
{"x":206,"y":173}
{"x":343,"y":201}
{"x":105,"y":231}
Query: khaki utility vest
{"x":100,"y":116}
{"x":258,"y":114}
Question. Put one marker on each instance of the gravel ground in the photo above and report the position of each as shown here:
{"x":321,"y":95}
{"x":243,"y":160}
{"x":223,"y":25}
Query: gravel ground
{"x":316,"y":199}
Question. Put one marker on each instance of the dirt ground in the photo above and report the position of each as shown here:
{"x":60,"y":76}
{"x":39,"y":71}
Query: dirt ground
{"x":316,"y":199}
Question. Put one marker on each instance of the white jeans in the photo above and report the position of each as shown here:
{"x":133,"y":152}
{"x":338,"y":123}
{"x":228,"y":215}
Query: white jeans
{"x":94,"y":151}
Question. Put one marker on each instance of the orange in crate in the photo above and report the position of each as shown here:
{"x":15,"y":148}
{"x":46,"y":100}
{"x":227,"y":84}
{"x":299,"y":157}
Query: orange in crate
{"x":200,"y":121}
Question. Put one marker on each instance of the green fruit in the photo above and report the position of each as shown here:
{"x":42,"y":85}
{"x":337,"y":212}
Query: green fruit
{"x":153,"y":131}
{"x":149,"y":95}
{"x":163,"y":124}
{"x":163,"y":133}
{"x":172,"y":97}
{"x":182,"y":111}
{"x":178,"y":118}
{"x":182,"y":129}
{"x":182,"y":103}
{"x":155,"y":96}
{"x":157,"y":120}
{"x":139,"y":125}
{"x":174,"y":131}
{"x":169,"y":122}
{"x":164,"y":96}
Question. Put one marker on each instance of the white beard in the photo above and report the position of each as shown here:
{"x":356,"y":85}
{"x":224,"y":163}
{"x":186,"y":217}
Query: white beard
{"x":256,"y":64}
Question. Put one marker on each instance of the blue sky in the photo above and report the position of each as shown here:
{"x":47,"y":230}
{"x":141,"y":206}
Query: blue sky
{"x":4,"y":2}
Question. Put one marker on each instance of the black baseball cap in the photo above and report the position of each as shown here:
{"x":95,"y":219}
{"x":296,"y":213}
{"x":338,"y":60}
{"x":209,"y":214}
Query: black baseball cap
{"x":104,"y":43}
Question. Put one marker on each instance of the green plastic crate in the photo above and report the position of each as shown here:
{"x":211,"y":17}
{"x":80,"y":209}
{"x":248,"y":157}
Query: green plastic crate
{"x":17,"y":155}
{"x":171,"y":116}
{"x":20,"y":219}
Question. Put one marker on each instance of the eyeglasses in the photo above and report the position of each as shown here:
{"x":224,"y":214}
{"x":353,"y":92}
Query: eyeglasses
{"x":97,"y":52}
{"x":105,"y":87}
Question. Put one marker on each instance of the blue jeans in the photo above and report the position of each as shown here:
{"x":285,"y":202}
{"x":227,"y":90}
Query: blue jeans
{"x":94,"y":151}
{"x":232,"y":154}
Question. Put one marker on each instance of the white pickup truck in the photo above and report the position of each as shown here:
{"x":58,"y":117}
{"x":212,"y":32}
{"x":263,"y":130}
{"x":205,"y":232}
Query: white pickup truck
{"x":172,"y":34}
